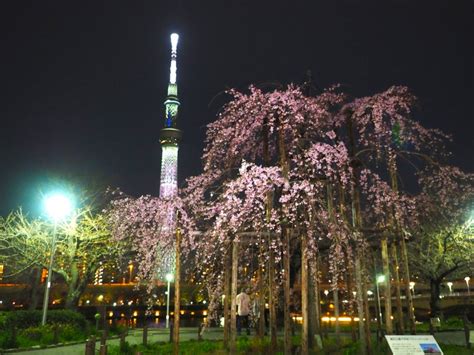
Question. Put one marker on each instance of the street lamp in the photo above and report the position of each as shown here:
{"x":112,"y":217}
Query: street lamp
{"x":412,"y":287}
{"x":467,"y":279}
{"x":450,"y":285}
{"x":380,"y":279}
{"x":57,"y":207}
{"x":169,"y":278}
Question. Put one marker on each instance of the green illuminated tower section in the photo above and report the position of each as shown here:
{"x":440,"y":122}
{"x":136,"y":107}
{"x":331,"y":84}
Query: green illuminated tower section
{"x":170,"y":136}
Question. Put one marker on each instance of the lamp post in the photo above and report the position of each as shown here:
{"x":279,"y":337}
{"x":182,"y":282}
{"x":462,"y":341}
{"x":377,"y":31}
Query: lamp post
{"x":57,"y":207}
{"x":169,"y":278}
{"x":380,"y":279}
{"x":450,"y":285}
{"x":467,"y":279}
{"x":412,"y":287}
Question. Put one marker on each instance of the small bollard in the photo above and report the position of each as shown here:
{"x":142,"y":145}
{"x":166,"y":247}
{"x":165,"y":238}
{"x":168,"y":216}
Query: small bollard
{"x":103,"y":344}
{"x":55,"y":334}
{"x":103,"y":349}
{"x":201,"y":326}
{"x":467,"y":331}
{"x":122,"y":340}
{"x":88,"y":348}
{"x":145,"y":335}
{"x":97,"y":318}
{"x":92,"y":341}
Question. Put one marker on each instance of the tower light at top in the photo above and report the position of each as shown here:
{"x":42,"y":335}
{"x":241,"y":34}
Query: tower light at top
{"x":174,"y":47}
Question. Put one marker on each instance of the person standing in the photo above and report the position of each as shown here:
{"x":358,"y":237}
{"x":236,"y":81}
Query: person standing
{"x":243,"y":309}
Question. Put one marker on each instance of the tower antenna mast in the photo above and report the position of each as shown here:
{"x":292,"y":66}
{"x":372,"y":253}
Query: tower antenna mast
{"x":170,"y":135}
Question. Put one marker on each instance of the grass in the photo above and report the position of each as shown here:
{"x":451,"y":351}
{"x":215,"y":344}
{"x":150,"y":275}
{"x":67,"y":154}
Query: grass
{"x":256,"y":346}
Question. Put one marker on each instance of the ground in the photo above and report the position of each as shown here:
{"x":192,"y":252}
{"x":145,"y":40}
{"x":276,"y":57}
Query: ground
{"x":162,"y":335}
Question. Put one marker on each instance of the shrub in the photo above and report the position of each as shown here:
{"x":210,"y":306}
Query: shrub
{"x":28,"y":319}
{"x":34,"y":333}
{"x":70,"y":332}
{"x":454,"y":323}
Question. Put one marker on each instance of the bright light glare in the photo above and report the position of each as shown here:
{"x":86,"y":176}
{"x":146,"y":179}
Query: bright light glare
{"x":381,"y":278}
{"x":58,"y":206}
{"x":173,"y":74}
{"x":169,"y":277}
{"x":174,"y":41}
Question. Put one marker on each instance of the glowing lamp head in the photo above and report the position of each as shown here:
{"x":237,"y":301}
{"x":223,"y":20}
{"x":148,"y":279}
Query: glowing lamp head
{"x":380,"y":279}
{"x":169,"y":277}
{"x":174,"y":41}
{"x":58,"y":206}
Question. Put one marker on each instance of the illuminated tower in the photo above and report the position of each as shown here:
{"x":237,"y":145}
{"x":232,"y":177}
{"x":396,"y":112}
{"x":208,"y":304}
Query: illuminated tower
{"x":170,"y":135}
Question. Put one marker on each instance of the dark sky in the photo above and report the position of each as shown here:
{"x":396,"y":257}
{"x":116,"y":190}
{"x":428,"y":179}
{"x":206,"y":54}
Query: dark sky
{"x":83,"y":82}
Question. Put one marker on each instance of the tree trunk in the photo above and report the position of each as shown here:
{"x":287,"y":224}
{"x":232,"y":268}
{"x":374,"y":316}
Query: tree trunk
{"x":435,"y":291}
{"x":261,"y":298}
{"x":227,"y":296}
{"x":304,"y":294}
{"x":398,"y":294}
{"x":365,"y":297}
{"x":387,"y":284}
{"x":313,"y":268}
{"x":72,"y":292}
{"x":272,"y":301}
{"x":35,"y":279}
{"x":335,"y":298}
{"x":233,"y":310}
{"x":271,"y":256}
{"x":409,"y":297}
{"x":286,"y":291}
{"x":404,"y":254}
{"x":360,"y":303}
{"x":286,"y":245}
{"x":177,"y":293}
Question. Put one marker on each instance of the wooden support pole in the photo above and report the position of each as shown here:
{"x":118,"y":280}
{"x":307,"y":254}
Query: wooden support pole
{"x":227,"y":295}
{"x":398,"y":294}
{"x":387,"y":284}
{"x":406,"y":281}
{"x":335,"y":298}
{"x":286,"y":292}
{"x":233,"y":310}
{"x":177,"y":293}
{"x":145,"y":335}
{"x":304,"y":294}
{"x":261,"y":299}
{"x":360,"y":303}
{"x":313,"y":302}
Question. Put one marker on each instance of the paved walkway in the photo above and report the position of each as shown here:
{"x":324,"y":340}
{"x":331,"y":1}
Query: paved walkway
{"x":162,"y":335}
{"x":134,"y":336}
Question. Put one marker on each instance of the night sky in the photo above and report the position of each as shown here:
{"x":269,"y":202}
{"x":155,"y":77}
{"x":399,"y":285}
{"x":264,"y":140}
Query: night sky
{"x":83,"y":82}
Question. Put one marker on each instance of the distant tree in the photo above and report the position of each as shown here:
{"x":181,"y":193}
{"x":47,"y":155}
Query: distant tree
{"x":443,"y":241}
{"x":83,"y":242}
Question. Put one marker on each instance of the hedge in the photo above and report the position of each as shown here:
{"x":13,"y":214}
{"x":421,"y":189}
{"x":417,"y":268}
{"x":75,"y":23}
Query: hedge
{"x":27,"y":319}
